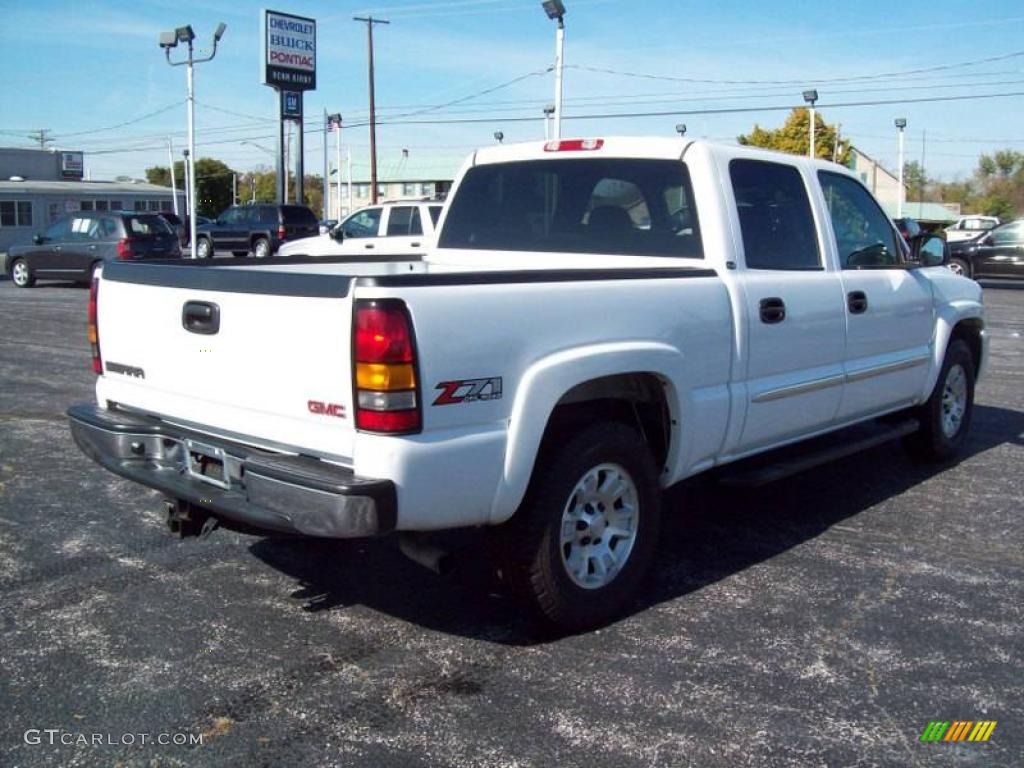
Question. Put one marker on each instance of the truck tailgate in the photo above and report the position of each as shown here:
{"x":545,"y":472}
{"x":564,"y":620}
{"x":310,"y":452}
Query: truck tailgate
{"x":277,"y":365}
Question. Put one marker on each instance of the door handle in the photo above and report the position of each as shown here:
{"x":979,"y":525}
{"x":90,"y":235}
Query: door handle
{"x":200,"y":317}
{"x":857,"y":302}
{"x":773,"y":310}
{"x":414,"y":245}
{"x":92,"y":247}
{"x":368,"y":245}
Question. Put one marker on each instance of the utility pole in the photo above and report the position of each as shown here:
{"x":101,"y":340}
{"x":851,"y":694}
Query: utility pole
{"x":234,"y":189}
{"x":41,"y":137}
{"x":188,"y":199}
{"x":170,"y":163}
{"x":920,"y":191}
{"x":325,"y":208}
{"x":835,"y":145}
{"x":901,"y":124}
{"x":370,"y":21}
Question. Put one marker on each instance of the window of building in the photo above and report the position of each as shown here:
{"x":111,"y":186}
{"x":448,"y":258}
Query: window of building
{"x":15,"y":213}
{"x":864,"y":236}
{"x":362,"y":190}
{"x":427,"y":189}
{"x":116,"y":205}
{"x":408,"y":190}
{"x":87,"y":205}
{"x":101,"y":205}
{"x":382,"y":190}
{"x":157,"y":205}
{"x":140,"y":205}
{"x":775,"y":216}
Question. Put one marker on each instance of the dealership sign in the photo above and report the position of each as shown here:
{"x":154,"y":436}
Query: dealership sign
{"x":72,"y":164}
{"x":289,"y":51}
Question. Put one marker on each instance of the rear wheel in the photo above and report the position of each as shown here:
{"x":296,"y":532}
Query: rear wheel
{"x":21,"y":275}
{"x":581,"y":542}
{"x":260,"y":248}
{"x":959,"y":267}
{"x":946,"y":416}
{"x":204,"y":248}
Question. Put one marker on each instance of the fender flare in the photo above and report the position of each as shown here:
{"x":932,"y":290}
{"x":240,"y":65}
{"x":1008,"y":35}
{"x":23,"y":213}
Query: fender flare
{"x":550,"y":378}
{"x":948,"y":317}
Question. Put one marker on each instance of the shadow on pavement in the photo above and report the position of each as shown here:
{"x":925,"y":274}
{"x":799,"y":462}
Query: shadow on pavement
{"x":709,"y":532}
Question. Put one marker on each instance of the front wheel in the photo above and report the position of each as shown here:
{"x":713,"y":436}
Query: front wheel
{"x":260,"y":248}
{"x":21,"y":275}
{"x":204,"y":248}
{"x":959,"y":267}
{"x":580,"y":544}
{"x":946,"y":416}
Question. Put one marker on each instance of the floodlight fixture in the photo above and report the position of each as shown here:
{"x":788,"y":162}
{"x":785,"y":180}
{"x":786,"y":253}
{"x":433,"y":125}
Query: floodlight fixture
{"x":811,"y":96}
{"x":901,"y":123}
{"x":681,"y":129}
{"x":185,"y":34}
{"x":168,"y":38}
{"x":555,"y":9}
{"x":219,"y":32}
{"x":499,"y":136}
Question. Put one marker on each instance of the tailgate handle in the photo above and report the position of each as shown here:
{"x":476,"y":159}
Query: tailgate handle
{"x":200,"y":317}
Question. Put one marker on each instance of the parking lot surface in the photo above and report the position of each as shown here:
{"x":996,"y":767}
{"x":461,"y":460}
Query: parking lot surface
{"x":821,"y":621}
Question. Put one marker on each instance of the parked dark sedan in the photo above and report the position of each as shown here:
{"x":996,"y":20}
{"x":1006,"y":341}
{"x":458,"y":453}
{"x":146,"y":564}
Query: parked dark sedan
{"x":74,"y":245}
{"x":997,"y":253}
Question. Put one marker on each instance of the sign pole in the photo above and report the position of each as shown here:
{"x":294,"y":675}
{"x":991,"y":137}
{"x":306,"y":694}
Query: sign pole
{"x":281,"y":166}
{"x":300,"y":157}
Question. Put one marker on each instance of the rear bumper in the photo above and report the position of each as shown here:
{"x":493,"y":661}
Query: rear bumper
{"x":291,"y":494}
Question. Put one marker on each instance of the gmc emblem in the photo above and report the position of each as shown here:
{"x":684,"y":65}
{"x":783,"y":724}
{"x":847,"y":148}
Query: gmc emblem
{"x":326,"y":409}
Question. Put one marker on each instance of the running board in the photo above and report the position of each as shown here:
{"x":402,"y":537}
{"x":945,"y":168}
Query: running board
{"x":793,"y":459}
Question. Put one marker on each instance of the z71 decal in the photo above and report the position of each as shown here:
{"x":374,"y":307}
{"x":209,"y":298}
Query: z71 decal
{"x":468,"y":391}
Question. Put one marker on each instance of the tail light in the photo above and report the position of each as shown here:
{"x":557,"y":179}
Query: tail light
{"x":94,"y":330}
{"x":384,"y":354}
{"x":124,"y":249}
{"x":281,"y":232}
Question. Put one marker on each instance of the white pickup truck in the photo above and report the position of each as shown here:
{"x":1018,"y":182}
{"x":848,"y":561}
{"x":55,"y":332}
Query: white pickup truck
{"x":600,"y":319}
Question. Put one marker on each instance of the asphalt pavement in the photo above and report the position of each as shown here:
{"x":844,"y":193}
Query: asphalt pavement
{"x":824,"y":620}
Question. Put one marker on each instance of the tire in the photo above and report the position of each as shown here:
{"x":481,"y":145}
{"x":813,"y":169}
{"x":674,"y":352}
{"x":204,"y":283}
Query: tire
{"x":204,"y":248}
{"x":549,"y":562}
{"x":261,"y":248}
{"x":946,"y":416}
{"x":959,"y":267}
{"x":21,"y":275}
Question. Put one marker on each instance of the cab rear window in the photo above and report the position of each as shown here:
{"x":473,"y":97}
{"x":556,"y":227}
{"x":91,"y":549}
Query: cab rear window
{"x":601,"y":206}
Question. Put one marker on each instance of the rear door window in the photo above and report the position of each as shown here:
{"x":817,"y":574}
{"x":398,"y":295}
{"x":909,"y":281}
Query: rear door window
{"x":147,"y":226}
{"x":404,"y":220}
{"x":600,"y":206}
{"x":775,"y":216}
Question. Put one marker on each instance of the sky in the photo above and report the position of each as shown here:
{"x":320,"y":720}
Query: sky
{"x":452,"y":72}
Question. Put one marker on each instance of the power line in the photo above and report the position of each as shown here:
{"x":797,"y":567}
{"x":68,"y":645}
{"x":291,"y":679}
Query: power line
{"x":803,"y":81}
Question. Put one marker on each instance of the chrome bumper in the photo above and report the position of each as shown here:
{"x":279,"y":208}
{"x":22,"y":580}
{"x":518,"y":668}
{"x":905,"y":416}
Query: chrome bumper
{"x":291,"y":494}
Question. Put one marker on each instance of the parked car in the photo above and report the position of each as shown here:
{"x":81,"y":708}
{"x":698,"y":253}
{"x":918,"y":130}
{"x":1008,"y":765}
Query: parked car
{"x":970,"y":227}
{"x":996,"y":253}
{"x":397,"y":227}
{"x":177,"y":225}
{"x":908,"y":228}
{"x":255,"y":229}
{"x":599,"y":320}
{"x":73,"y":246}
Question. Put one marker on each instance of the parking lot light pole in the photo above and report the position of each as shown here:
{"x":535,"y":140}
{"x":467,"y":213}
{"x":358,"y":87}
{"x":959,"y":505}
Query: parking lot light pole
{"x":549,"y":110}
{"x":555,"y":9}
{"x":901,"y":123}
{"x":810,"y":97}
{"x":174,"y":184}
{"x":168,"y":40}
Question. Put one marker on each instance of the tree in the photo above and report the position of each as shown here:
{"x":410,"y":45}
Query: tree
{"x":213,"y":183}
{"x":794,"y":137}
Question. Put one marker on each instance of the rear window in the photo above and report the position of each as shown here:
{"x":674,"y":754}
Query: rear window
{"x":171,"y":218}
{"x":149,"y":225}
{"x":298,"y":214}
{"x":616,"y":206}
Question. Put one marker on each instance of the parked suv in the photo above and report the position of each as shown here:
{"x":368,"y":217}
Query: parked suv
{"x":73,"y":246}
{"x":255,"y":229}
{"x":394,"y":228}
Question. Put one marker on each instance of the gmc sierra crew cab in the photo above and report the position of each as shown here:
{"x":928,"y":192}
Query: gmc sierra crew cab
{"x":599,"y":319}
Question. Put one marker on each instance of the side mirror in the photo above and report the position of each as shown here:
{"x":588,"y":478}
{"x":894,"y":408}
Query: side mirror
{"x":38,"y":239}
{"x":985,"y":240}
{"x":337,"y":234}
{"x":929,"y":250}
